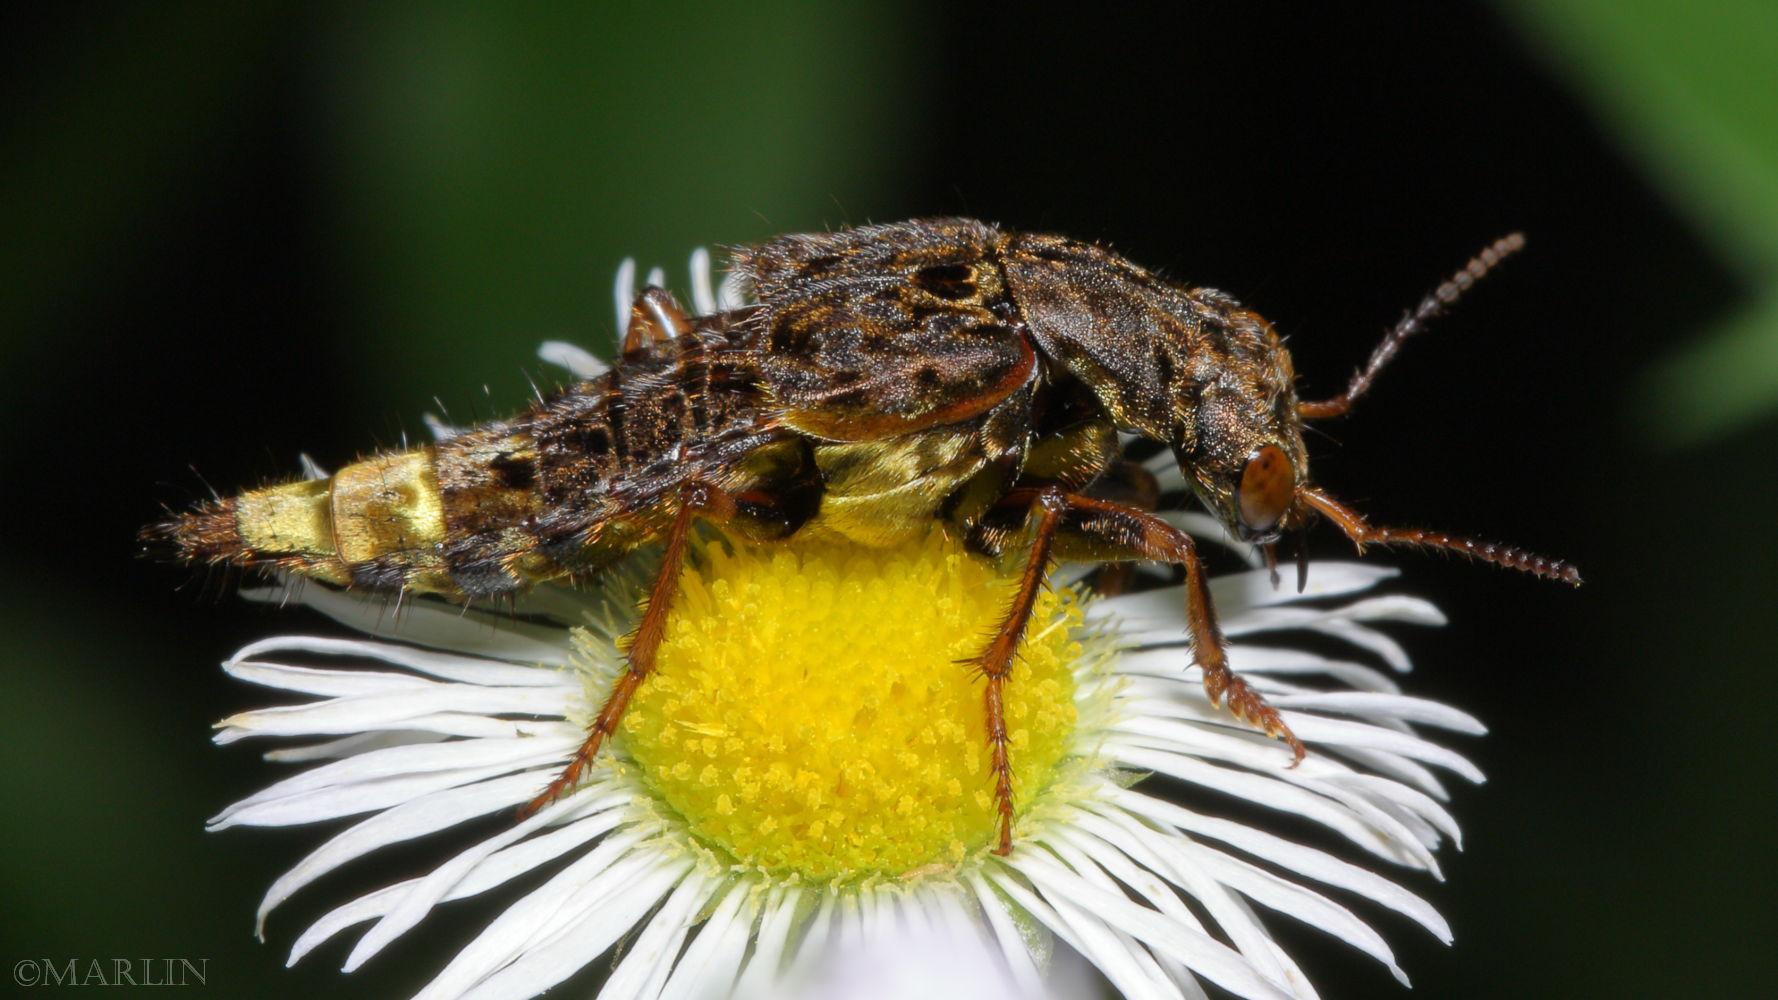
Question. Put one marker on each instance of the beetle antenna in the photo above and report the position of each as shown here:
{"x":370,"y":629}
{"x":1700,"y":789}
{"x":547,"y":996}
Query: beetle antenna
{"x":1363,"y":533}
{"x":1434,"y":303}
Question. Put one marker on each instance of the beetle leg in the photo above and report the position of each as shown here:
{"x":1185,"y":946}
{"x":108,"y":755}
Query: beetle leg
{"x":696,"y":499}
{"x":1103,"y":530}
{"x":1128,"y":483}
{"x":656,"y":321}
{"x":995,"y":661}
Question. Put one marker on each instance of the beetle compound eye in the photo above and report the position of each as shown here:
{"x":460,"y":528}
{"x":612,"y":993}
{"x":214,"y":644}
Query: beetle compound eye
{"x":1268,"y":486}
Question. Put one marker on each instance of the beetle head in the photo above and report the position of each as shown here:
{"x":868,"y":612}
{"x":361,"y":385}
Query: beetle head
{"x":1190,"y":367}
{"x":1235,"y":431}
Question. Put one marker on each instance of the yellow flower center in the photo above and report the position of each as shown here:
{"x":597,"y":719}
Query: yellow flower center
{"x":809,"y":712}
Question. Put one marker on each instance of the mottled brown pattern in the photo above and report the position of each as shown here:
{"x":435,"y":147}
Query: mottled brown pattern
{"x":926,"y":365}
{"x":582,"y":478}
{"x":915,"y":370}
{"x":889,"y":375}
{"x":886,"y":330}
{"x":1185,"y":366}
{"x":593,"y":472}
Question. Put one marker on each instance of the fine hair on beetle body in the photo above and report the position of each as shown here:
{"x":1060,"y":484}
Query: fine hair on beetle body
{"x":885,"y":377}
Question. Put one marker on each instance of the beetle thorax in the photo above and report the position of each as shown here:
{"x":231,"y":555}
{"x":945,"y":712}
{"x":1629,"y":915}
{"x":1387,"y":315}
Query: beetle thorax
{"x":1187,"y":367}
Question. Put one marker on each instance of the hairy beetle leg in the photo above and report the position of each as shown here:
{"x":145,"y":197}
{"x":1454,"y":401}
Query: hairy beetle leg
{"x":995,"y":662}
{"x":1102,"y":530}
{"x":696,"y":499}
{"x":1138,"y":534}
{"x":1128,"y":483}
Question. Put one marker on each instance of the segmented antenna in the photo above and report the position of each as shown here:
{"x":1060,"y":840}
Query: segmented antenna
{"x":1363,"y":533}
{"x":1430,"y":306}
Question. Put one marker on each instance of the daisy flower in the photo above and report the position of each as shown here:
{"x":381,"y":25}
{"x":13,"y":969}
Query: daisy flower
{"x":801,"y":790}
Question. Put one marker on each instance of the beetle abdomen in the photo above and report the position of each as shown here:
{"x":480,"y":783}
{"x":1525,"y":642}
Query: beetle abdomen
{"x":584,"y":477}
{"x":376,"y":525}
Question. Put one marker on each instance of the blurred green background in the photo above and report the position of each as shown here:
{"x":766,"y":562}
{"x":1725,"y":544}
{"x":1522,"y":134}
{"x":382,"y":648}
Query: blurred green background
{"x":234,"y":232}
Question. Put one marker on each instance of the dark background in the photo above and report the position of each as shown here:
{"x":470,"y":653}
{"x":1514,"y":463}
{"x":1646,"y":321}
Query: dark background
{"x":237,"y":233}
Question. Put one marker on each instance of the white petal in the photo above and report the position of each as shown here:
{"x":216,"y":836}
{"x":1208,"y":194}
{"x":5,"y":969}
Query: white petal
{"x":1021,"y":943}
{"x":1204,"y":955}
{"x":1130,"y":968}
{"x":1173,"y":659}
{"x":703,"y":295}
{"x":1361,"y":823}
{"x":541,"y":965}
{"x":318,"y":681}
{"x":1160,"y":605}
{"x":1149,"y":621}
{"x":1211,"y":735}
{"x":1005,"y":893}
{"x":402,"y":710}
{"x":1343,"y":732}
{"x":1294,"y":900}
{"x":952,"y":919}
{"x":806,"y":957}
{"x":335,"y":802}
{"x":441,"y":723}
{"x":1406,"y":803}
{"x":418,"y":900}
{"x":465,"y":669}
{"x":733,"y":292}
{"x":439,"y":430}
{"x":1115,"y":933}
{"x":1128,"y":965}
{"x":1247,"y":658}
{"x":650,"y":958}
{"x":1179,"y":693}
{"x":580,"y":362}
{"x":629,"y":882}
{"x":1388,"y":765}
{"x":1234,"y":920}
{"x":912,"y":942}
{"x":412,"y":759}
{"x":1229,"y":911}
{"x":1235,"y":593}
{"x":777,"y":921}
{"x":1306,"y":861}
{"x":498,"y":869}
{"x":431,"y":623}
{"x":416,"y":817}
{"x":713,"y":961}
{"x":349,"y":746}
{"x":1192,"y":726}
{"x":1181,"y":860}
{"x":848,"y":927}
{"x":1377,"y":706}
{"x":1368,"y":639}
{"x":623,"y":294}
